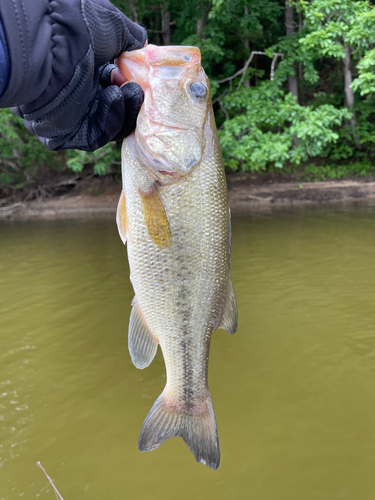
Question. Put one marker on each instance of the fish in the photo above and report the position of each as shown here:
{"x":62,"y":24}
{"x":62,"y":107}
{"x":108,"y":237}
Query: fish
{"x":173,"y":215}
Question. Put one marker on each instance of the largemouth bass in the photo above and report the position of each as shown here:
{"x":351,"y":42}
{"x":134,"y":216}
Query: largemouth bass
{"x":173,"y":214}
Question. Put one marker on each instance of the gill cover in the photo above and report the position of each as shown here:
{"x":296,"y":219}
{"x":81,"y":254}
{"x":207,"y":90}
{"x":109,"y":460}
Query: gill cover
{"x":169,"y":134}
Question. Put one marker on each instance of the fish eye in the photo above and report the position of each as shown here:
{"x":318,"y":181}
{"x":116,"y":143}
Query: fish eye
{"x":198,"y":90}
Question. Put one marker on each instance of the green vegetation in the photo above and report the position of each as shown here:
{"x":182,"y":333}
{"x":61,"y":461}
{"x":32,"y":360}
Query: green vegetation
{"x":22,"y":156}
{"x":292,"y":85}
{"x":324,"y":172}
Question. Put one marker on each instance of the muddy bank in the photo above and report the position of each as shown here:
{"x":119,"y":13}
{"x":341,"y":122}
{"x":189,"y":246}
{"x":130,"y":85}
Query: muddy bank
{"x":247,"y":194}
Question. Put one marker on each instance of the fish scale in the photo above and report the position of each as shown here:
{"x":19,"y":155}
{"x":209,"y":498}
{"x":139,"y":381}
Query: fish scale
{"x":179,"y":263}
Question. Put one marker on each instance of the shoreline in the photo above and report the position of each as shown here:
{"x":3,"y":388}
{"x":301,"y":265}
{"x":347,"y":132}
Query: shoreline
{"x":246,"y":196}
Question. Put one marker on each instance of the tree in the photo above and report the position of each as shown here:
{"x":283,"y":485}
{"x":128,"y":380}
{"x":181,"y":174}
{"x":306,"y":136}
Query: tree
{"x":342,"y":29}
{"x":262,"y":123}
{"x":290,"y":28}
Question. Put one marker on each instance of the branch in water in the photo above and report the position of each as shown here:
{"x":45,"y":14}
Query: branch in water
{"x":51,"y":482}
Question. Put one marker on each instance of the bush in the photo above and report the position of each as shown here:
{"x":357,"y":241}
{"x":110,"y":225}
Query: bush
{"x":22,"y":156}
{"x":267,"y":127}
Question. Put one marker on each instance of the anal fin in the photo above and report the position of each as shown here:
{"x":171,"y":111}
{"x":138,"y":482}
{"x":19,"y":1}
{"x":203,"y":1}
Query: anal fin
{"x":142,"y":344}
{"x":229,"y":319}
{"x":122,"y":224}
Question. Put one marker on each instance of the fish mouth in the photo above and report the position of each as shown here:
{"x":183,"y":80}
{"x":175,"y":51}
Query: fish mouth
{"x":156,"y":57}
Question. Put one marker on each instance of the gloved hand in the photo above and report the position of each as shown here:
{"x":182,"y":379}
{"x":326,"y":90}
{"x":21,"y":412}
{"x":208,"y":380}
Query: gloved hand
{"x":77,"y":107}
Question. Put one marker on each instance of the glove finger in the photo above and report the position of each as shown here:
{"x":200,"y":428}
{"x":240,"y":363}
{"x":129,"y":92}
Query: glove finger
{"x":116,"y":114}
{"x":105,"y":74}
{"x":109,"y":74}
{"x":136,"y":34}
{"x":102,"y":123}
{"x":112,"y":117}
{"x":133,"y":99}
{"x":111,"y":32}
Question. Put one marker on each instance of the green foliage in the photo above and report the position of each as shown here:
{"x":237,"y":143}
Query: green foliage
{"x":261,"y":127}
{"x":102,"y":160}
{"x":365,"y":82}
{"x":21,"y":155}
{"x":268,"y":128}
{"x":23,"y":158}
{"x":328,"y":172}
{"x":330,"y":22}
{"x":345,"y":148}
{"x":330,"y":25}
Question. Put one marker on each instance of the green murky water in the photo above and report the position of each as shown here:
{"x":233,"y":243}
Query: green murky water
{"x":293,"y":390}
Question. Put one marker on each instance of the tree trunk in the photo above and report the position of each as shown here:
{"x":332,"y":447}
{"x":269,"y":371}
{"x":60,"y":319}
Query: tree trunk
{"x":199,"y":27}
{"x":133,"y":8}
{"x":349,"y":94}
{"x":247,"y":45}
{"x":165,"y":25}
{"x":292,"y":79}
{"x":289,"y":24}
{"x":300,"y":69}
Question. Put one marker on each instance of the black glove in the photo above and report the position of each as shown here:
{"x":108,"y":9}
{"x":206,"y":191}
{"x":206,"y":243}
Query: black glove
{"x":60,"y":76}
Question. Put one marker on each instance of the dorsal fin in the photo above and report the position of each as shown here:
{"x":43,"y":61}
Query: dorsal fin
{"x":142,"y":344}
{"x":155,"y":217}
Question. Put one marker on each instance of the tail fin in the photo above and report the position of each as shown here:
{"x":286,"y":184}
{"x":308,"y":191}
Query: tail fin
{"x":197,"y":429}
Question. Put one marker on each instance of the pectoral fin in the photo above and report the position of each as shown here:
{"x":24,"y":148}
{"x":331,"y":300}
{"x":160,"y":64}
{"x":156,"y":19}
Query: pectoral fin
{"x":155,"y":217}
{"x":142,"y":344}
{"x":121,"y":220}
{"x":229,"y":319}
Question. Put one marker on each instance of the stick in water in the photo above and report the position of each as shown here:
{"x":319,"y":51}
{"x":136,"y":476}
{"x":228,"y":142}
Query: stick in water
{"x":51,"y":482}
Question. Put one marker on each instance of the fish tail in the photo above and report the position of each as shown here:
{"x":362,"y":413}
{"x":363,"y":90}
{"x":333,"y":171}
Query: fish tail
{"x":197,"y":427}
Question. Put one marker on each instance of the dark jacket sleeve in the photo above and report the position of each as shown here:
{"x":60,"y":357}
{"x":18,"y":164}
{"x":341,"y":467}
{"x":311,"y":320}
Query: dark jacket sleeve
{"x":59,"y":52}
{"x":28,"y":29}
{"x":4,"y":61}
{"x":43,"y":36}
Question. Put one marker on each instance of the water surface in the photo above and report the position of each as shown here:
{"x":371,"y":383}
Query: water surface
{"x":293,"y":390}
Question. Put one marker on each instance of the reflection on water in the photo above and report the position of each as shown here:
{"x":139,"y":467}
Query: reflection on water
{"x":293,"y":390}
